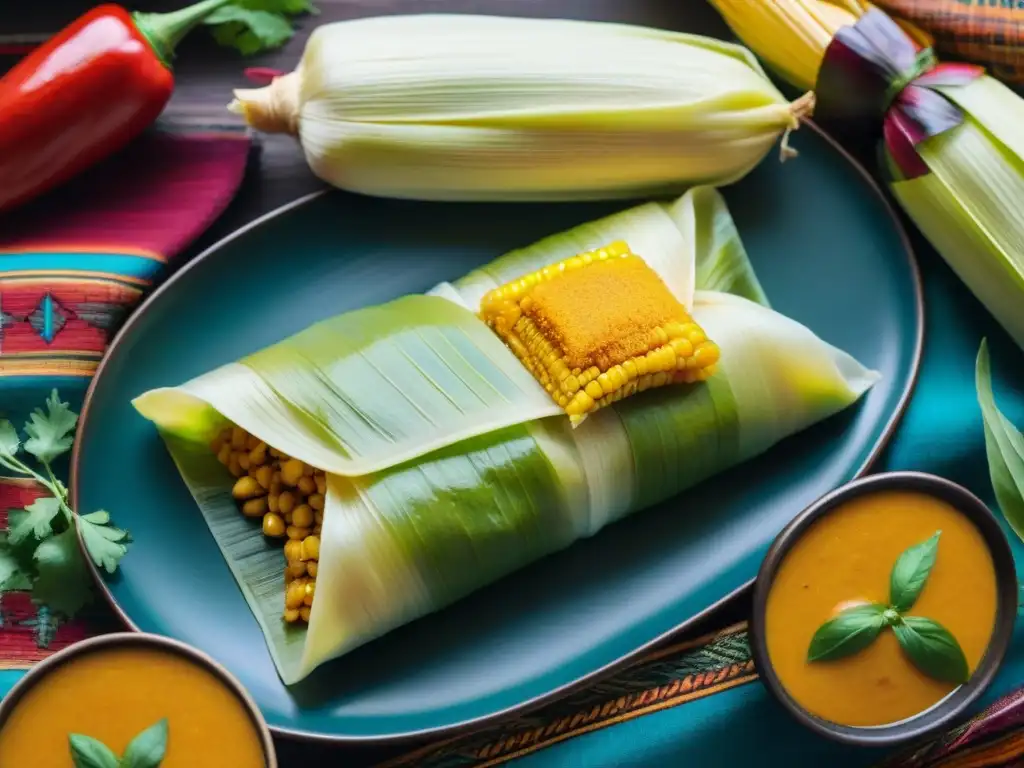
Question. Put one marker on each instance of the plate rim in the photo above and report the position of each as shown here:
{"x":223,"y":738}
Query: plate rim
{"x":617,"y":664}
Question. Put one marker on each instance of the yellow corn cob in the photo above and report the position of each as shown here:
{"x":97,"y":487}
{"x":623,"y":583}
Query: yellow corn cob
{"x":599,"y":327}
{"x":968,"y":204}
{"x":465,"y":107}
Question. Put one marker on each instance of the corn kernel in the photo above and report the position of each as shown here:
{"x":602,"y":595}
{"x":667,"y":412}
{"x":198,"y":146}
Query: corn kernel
{"x":311,"y":548}
{"x":311,"y":568}
{"x":295,"y":594}
{"x":273,"y":525}
{"x":293,"y":550}
{"x":263,"y":475}
{"x":258,"y":455}
{"x":291,"y":471}
{"x":238,"y":437}
{"x":291,"y":615}
{"x":302,"y":516}
{"x":294,"y":532}
{"x":310,"y":592}
{"x":255,"y":507}
{"x":305,"y":612}
{"x":316,"y":501}
{"x":246,"y":488}
{"x":307,"y":485}
{"x":286,"y":502}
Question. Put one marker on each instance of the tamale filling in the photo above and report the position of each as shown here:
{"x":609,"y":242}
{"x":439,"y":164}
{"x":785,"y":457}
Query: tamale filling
{"x":598,"y":327}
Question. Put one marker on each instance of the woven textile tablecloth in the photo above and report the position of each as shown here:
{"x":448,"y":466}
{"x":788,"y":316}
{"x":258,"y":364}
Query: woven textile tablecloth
{"x":70,"y":271}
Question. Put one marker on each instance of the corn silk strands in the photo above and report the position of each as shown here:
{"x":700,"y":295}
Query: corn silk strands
{"x":491,"y":475}
{"x":460,"y":107}
{"x":953,"y":146}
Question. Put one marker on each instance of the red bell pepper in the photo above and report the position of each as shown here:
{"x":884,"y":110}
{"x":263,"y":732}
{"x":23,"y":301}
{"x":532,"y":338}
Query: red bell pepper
{"x":85,"y":93}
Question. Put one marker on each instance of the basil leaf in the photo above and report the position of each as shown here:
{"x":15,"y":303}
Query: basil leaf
{"x":932,"y":649}
{"x":148,"y":748}
{"x":911,"y":571}
{"x":87,"y":752}
{"x":850,"y":631}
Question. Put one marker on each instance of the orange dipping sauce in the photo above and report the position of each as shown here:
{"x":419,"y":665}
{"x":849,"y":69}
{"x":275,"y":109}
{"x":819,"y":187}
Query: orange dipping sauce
{"x":847,"y":556}
{"x":114,"y":692}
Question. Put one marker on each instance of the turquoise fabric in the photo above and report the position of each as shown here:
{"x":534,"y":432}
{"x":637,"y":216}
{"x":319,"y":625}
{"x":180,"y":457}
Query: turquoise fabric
{"x":940,"y":433}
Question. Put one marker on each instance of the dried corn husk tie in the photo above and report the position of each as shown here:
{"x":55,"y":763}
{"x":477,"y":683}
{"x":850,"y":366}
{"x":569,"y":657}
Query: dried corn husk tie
{"x":953,"y":147}
{"x":463,"y":107}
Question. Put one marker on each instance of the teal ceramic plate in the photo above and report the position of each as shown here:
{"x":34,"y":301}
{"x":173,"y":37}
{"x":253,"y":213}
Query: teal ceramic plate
{"x":829,"y":253}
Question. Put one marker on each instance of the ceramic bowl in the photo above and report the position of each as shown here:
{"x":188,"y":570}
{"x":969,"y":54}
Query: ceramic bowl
{"x":962,"y":697}
{"x":142,"y":640}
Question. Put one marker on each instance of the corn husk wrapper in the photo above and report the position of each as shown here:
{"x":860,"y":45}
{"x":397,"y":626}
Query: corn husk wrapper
{"x":465,"y":107}
{"x":420,"y":513}
{"x":968,"y":203}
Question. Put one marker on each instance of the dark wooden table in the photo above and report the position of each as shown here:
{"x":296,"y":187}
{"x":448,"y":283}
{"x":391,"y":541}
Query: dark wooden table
{"x":205,"y":76}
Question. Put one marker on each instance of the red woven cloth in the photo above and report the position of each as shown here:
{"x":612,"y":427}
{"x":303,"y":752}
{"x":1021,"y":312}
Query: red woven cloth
{"x":73,"y":265}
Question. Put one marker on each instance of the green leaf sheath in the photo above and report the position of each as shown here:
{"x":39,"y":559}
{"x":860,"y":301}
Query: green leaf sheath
{"x":850,"y":631}
{"x":486,"y":506}
{"x":50,"y":433}
{"x":722,"y":263}
{"x":87,"y":752}
{"x":1004,"y":447}
{"x":365,"y":390}
{"x":63,"y":581}
{"x":35,"y":520}
{"x":147,"y":750}
{"x":911,"y":571}
{"x":932,"y":649}
{"x":680,"y":436}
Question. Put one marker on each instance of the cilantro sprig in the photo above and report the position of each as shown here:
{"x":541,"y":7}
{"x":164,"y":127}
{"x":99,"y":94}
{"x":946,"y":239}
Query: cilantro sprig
{"x":39,"y":550}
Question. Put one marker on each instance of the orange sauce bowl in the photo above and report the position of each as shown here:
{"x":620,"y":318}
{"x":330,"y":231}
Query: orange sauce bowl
{"x":114,"y":686}
{"x":840,"y":553}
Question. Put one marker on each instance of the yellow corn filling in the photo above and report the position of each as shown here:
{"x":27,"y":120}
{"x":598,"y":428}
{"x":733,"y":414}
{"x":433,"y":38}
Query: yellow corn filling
{"x":288,"y":497}
{"x":599,"y":327}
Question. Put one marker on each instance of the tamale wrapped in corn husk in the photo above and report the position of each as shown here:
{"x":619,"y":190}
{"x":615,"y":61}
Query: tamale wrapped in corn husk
{"x":952,"y":137}
{"x":442,"y":462}
{"x":466,"y":107}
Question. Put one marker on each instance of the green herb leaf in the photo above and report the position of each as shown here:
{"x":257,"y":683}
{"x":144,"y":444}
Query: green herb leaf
{"x":63,"y":582}
{"x":248,"y":31}
{"x":50,"y":434}
{"x":100,"y":517}
{"x":289,"y":7}
{"x":148,"y":748}
{"x":104,"y":543}
{"x":1004,"y":446}
{"x":850,"y":631}
{"x":12,"y":575}
{"x":87,"y":752}
{"x":251,"y":26}
{"x":932,"y":649}
{"x":35,"y":520}
{"x":911,"y":572}
{"x":9,"y":441}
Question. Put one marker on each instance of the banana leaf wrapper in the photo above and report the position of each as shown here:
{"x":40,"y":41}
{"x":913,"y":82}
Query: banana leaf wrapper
{"x":449,"y":466}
